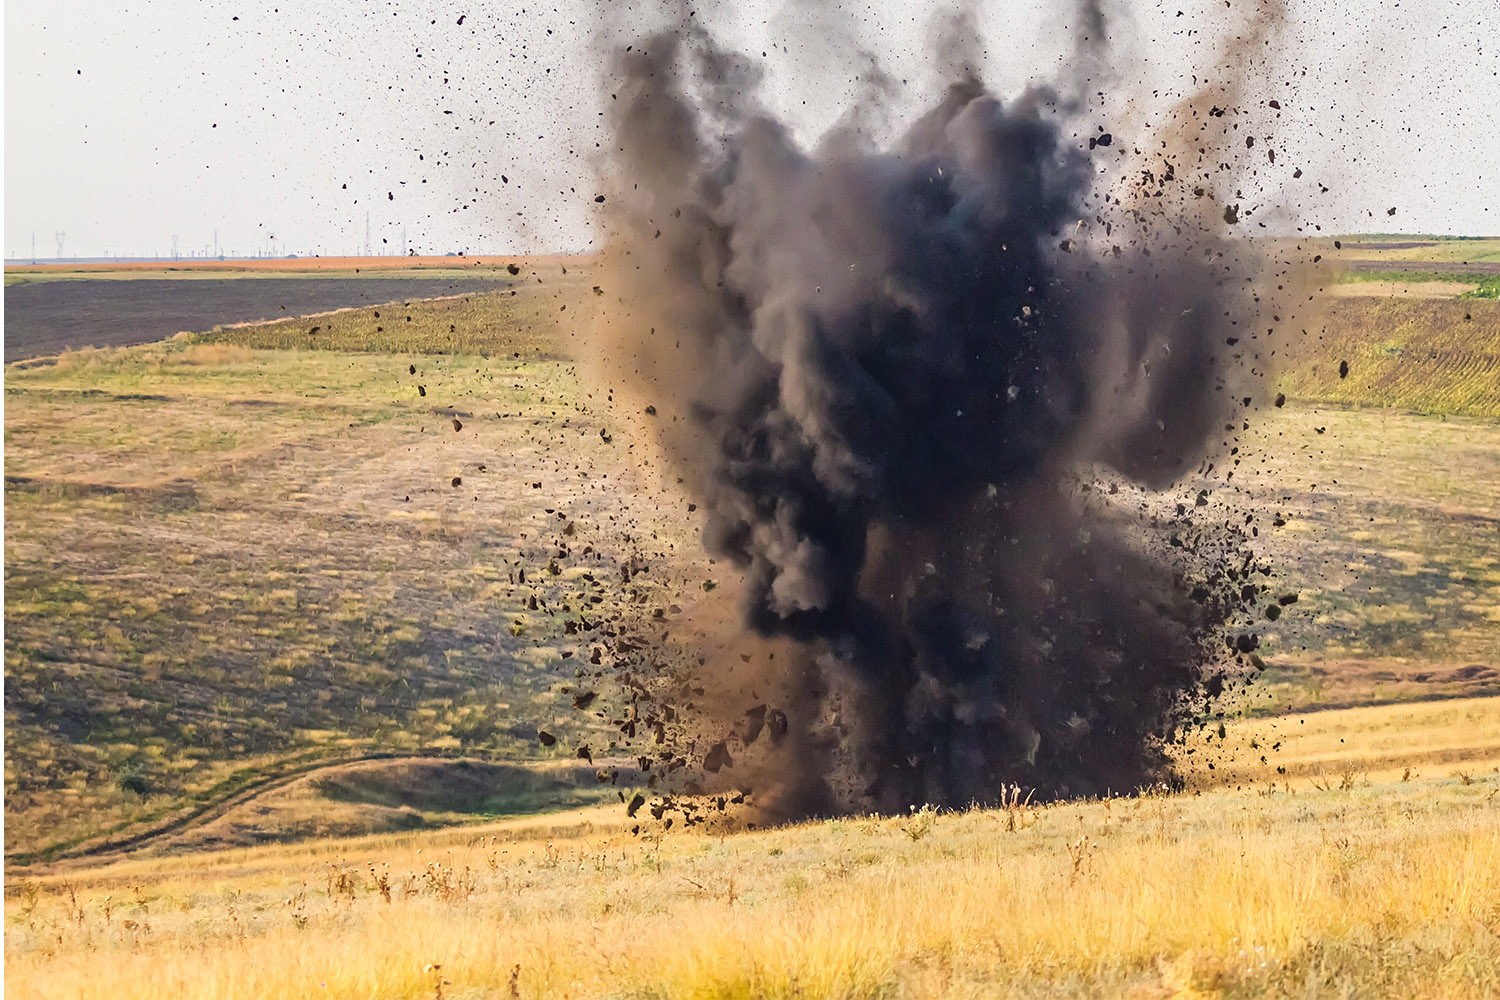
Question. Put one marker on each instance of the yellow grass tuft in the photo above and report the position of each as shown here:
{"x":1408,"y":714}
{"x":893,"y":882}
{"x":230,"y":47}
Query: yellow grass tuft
{"x":215,"y":354}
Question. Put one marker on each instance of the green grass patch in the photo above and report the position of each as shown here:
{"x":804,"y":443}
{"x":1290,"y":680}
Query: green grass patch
{"x":1489,"y":288}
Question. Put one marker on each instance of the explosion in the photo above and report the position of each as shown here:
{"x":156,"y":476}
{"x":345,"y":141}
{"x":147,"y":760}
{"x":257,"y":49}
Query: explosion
{"x":928,"y":396}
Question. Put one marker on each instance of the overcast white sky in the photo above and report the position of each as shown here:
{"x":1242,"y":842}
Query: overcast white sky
{"x":129,"y":123}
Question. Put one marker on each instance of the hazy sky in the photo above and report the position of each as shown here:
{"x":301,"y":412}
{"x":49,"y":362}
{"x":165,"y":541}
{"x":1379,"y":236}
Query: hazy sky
{"x":127,"y":124}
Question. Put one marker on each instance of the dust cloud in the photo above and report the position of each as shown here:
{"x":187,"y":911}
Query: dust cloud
{"x":951,"y":406}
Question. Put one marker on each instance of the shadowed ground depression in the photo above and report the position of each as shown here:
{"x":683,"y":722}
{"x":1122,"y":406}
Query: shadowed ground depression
{"x":951,"y":404}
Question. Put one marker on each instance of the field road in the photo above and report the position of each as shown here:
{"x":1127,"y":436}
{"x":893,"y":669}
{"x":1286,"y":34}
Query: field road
{"x":46,"y":317}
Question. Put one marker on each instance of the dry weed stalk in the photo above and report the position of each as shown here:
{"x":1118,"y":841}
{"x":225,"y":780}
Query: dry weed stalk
{"x":74,"y":908}
{"x":30,"y":896}
{"x":919,"y":823}
{"x":1081,"y":853}
{"x":230,"y":899}
{"x":1348,"y":777}
{"x":448,"y":883}
{"x":435,"y":970}
{"x":1018,"y":812}
{"x":297,"y":906}
{"x":340,"y":881}
{"x":381,"y":880}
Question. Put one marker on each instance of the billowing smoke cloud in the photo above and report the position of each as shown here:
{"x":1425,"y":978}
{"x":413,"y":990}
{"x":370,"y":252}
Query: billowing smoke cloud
{"x":907,"y":385}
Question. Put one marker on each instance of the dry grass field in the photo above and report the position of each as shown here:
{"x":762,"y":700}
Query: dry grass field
{"x":1353,"y":875}
{"x":275,"y":678}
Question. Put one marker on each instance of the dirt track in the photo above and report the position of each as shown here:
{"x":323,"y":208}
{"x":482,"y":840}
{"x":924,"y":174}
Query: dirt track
{"x":47,"y":317}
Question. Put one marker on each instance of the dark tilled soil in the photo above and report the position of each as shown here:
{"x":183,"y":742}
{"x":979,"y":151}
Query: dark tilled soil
{"x":45,"y":318}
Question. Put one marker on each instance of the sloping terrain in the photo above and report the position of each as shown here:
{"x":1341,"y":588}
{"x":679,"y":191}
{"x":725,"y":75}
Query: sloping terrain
{"x":238,"y":557}
{"x":223,"y":563}
{"x":50,"y":317}
{"x":1434,"y":355}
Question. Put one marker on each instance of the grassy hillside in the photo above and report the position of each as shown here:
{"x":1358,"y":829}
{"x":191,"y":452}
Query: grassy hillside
{"x":1358,"y":872}
{"x":225,"y":564}
{"x":1430,"y":355}
{"x":1388,"y":520}
{"x":238,"y":557}
{"x":1434,"y":249}
{"x":531,"y":320}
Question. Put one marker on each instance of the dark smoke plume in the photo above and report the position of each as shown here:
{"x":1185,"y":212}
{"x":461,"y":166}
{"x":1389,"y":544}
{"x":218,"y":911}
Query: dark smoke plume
{"x":903,"y":384}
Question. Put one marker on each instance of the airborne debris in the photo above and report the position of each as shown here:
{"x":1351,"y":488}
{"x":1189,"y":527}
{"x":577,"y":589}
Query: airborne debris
{"x":845,"y":430}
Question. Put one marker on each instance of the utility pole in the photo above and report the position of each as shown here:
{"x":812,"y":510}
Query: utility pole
{"x":33,"y":246}
{"x":216,"y":243}
{"x":367,"y":234}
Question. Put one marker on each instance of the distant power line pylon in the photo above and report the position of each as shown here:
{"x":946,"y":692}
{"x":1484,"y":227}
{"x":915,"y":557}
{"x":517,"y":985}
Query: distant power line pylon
{"x":60,"y":238}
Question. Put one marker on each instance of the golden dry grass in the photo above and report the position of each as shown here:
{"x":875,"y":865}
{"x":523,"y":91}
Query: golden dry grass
{"x":1385,"y":889}
{"x":1299,"y":888}
{"x":216,"y":354}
